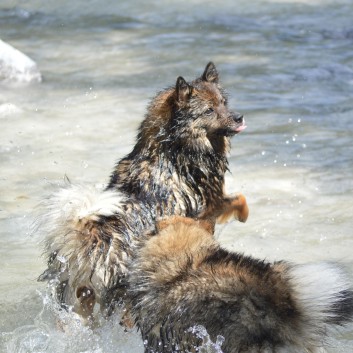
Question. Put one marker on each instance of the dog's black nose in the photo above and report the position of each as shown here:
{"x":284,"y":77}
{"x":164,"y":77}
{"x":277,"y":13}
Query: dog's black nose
{"x":238,"y":118}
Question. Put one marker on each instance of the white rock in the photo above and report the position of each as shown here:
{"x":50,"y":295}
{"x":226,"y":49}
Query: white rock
{"x":16,"y":66}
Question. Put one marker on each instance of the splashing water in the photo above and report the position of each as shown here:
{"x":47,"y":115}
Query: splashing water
{"x":55,"y":330}
{"x":208,"y":346}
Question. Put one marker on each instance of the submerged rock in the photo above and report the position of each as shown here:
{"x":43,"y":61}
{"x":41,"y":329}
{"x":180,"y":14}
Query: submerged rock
{"x":16,"y":66}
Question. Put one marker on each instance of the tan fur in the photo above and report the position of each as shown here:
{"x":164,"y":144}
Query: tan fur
{"x":179,"y":236}
{"x":181,"y":277}
{"x":206,"y":224}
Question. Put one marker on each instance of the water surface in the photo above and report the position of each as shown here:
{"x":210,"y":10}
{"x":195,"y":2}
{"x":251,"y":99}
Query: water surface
{"x":287,"y":66}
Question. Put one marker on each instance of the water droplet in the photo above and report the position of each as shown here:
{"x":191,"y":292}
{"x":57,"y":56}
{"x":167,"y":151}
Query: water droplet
{"x":322,"y":237}
{"x":61,"y":258}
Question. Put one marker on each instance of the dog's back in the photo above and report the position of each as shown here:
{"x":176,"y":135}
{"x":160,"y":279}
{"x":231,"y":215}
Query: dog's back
{"x":181,"y":278}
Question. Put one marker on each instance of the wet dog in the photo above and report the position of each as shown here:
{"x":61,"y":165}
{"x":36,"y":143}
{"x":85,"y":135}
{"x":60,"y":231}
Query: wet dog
{"x":181,"y":279}
{"x":177,"y":167}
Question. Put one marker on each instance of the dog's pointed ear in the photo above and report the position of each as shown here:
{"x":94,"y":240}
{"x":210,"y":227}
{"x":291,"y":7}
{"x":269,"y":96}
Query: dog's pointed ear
{"x":210,"y":74}
{"x":183,"y":90}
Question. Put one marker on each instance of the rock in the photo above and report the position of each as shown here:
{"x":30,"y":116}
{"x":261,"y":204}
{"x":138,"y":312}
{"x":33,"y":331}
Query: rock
{"x":16,"y":66}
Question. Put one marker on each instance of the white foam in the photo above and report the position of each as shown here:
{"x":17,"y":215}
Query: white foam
{"x":8,"y":109}
{"x":56,"y":330}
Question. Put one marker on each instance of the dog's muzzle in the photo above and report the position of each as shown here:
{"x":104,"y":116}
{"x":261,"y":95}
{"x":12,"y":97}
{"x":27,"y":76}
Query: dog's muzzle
{"x":238,"y":118}
{"x":239,"y":123}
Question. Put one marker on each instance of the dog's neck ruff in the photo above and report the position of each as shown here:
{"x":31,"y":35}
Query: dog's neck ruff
{"x":172,"y":178}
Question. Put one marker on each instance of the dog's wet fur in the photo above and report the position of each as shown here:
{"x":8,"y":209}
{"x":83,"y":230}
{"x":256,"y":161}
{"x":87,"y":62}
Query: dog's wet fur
{"x":181,"y":277}
{"x":177,"y":167}
{"x":178,"y":163}
{"x":147,"y":241}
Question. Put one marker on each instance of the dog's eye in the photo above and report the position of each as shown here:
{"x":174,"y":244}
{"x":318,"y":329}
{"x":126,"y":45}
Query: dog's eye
{"x":209,"y":111}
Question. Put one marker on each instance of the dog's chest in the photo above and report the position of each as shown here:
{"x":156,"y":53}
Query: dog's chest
{"x":188,"y":189}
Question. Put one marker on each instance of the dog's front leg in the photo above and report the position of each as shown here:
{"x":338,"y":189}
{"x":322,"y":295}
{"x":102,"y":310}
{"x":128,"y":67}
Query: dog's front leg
{"x":233,"y":206}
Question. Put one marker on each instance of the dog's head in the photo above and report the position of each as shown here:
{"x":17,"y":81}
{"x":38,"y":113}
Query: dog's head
{"x":202,"y":107}
{"x":193,"y":114}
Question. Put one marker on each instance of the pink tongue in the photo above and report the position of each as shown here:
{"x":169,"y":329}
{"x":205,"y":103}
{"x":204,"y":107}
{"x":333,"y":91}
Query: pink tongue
{"x":240,"y":128}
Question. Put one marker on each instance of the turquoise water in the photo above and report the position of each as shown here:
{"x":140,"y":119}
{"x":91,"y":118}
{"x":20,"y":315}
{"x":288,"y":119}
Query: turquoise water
{"x":287,"y":66}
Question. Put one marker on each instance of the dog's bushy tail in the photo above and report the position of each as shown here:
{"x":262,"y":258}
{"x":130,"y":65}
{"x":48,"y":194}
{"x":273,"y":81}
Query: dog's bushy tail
{"x":75,"y":243}
{"x":323,"y":295}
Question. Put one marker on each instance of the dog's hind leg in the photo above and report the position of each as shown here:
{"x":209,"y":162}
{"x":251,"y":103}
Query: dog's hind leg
{"x":85,"y":302}
{"x":84,"y":245}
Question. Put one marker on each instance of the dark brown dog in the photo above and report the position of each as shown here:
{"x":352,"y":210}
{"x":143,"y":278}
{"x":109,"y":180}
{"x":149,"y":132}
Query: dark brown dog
{"x":177,"y":167}
{"x":178,"y":163}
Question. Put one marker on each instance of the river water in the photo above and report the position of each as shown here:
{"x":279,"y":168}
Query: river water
{"x":287,"y":66}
